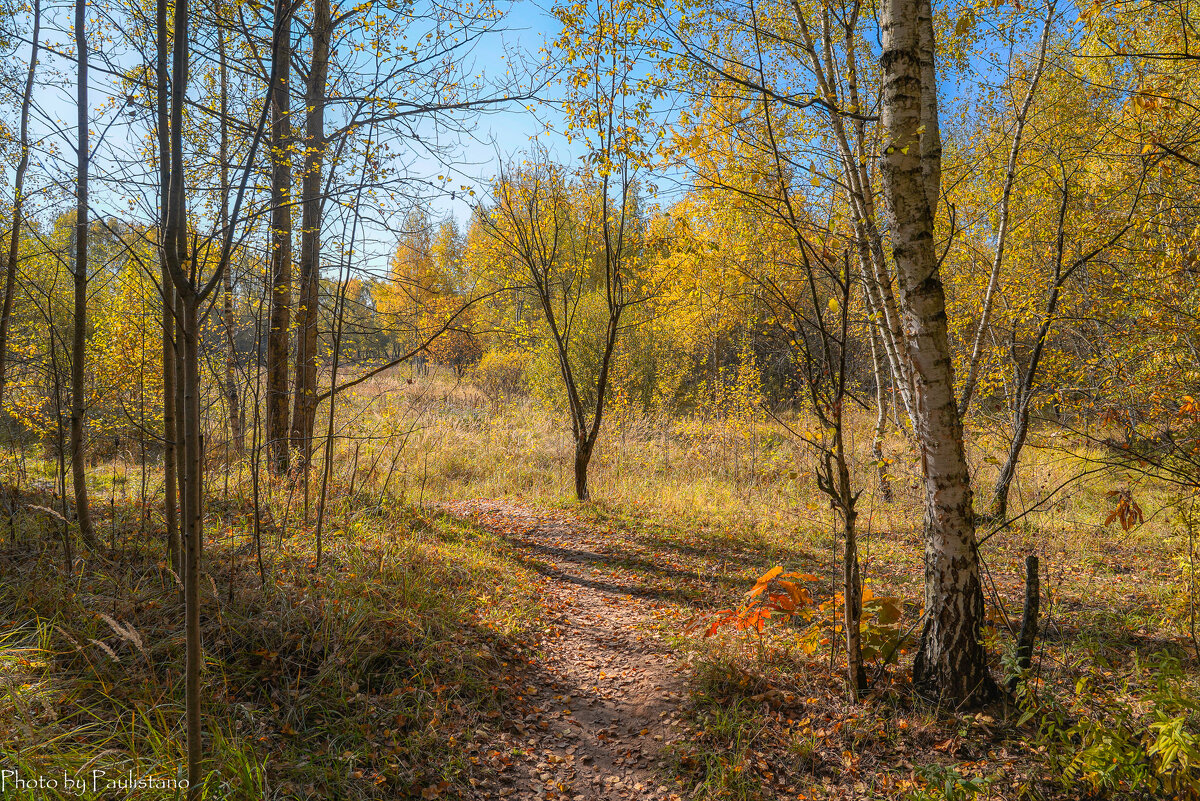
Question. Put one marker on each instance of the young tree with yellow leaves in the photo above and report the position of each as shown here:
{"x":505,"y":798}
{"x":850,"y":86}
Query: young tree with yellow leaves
{"x":534,"y":214}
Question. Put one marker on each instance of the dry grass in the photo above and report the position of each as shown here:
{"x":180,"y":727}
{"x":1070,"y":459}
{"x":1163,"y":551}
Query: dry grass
{"x":374,"y":677}
{"x":1116,"y":616}
{"x":302,"y":675}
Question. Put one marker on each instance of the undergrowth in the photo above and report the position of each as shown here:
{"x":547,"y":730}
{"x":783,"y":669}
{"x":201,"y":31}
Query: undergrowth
{"x":378,"y":675}
{"x":385,"y":672}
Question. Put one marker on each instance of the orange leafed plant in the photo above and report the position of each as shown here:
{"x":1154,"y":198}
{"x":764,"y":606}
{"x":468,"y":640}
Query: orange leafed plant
{"x":1126,"y":511}
{"x":774,"y":594}
{"x":781,"y":596}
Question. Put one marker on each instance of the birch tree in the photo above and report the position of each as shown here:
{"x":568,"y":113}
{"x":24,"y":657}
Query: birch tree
{"x":950,"y":661}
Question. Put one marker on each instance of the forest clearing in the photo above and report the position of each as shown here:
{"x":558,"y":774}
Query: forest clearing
{"x":472,"y":633}
{"x":678,"y":399}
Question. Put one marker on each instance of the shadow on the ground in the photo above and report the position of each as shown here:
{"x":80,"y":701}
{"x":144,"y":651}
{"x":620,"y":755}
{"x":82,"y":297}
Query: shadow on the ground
{"x":722,"y":573}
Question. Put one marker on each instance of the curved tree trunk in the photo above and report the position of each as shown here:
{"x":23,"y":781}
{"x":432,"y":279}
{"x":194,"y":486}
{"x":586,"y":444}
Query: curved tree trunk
{"x":998,"y":508}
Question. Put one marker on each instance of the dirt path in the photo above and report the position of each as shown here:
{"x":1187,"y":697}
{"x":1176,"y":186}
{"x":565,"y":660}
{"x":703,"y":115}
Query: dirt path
{"x":605,"y":699}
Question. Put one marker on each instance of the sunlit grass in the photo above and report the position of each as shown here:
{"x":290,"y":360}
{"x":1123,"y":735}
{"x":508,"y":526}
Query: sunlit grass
{"x":377,"y":674}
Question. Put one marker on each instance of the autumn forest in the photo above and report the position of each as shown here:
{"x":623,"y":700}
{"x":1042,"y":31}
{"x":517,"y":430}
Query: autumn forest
{"x":612,"y":399}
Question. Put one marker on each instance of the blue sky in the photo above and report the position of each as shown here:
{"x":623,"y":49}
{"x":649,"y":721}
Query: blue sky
{"x":504,"y":133}
{"x":495,"y":136}
{"x":507,"y":133}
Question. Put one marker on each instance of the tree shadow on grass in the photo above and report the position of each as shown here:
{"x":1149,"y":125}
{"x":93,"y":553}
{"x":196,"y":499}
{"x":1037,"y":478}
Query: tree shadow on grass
{"x":655,"y":575}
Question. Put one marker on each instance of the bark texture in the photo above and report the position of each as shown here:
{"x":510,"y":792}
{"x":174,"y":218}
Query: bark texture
{"x":583,"y":457}
{"x":304,"y":412}
{"x":281,"y":244}
{"x":850,"y":138}
{"x":950,"y":663}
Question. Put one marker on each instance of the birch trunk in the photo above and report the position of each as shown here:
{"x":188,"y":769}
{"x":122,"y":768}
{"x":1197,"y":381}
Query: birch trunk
{"x":850,"y":139}
{"x":950,"y":662}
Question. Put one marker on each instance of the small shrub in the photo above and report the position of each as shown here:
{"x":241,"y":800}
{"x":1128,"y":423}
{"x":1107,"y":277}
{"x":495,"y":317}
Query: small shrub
{"x":948,"y":784}
{"x":780,"y":596}
{"x":1139,"y":747}
{"x":500,"y":374}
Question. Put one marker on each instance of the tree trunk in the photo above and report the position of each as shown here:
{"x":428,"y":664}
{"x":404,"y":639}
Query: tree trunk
{"x":950,"y":662}
{"x":583,"y":455}
{"x":14,"y":241}
{"x":1025,"y":377}
{"x":170,"y":439}
{"x":852,"y":153}
{"x":851,"y":583}
{"x":885,"y":481}
{"x":998,"y":508}
{"x":1029,"y":620}
{"x":1010,"y":174}
{"x":237,"y":434}
{"x":281,"y":244}
{"x":169,"y":452}
{"x":308,"y":311}
{"x":339,"y":312}
{"x":187,"y":389}
{"x":79,"y":332}
{"x":236,"y":438}
{"x":192,"y":534}
{"x":61,"y":472}
{"x":180,"y":417}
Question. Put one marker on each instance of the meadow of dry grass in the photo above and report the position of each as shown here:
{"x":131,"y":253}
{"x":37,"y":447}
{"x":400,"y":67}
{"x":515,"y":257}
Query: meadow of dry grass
{"x":391,"y":670}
